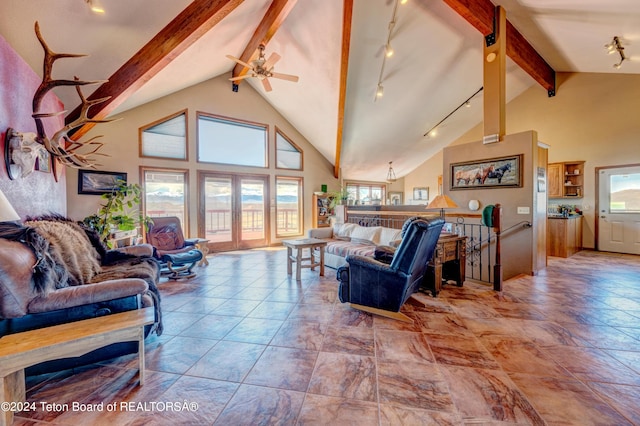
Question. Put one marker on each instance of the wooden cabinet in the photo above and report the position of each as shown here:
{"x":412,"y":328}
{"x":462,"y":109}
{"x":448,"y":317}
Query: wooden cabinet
{"x":554,"y":173}
{"x":320,"y":211}
{"x":565,"y":180}
{"x":564,"y":236}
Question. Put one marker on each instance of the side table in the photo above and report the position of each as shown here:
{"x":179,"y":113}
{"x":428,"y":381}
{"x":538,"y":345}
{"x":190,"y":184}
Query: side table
{"x":449,"y":262}
{"x":300,"y":245}
{"x":203,"y":245}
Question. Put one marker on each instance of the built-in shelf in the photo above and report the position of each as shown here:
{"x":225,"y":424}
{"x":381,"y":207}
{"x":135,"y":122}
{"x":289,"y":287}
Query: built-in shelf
{"x":566,"y":179}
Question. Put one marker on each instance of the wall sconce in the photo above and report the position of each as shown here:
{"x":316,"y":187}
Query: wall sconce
{"x":616,"y":46}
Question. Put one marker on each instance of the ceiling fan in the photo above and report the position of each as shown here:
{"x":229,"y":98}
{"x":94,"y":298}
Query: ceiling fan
{"x":263,"y":69}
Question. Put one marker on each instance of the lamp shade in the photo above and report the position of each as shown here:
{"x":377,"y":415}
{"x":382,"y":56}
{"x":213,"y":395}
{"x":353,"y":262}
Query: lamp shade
{"x":7,"y":212}
{"x":441,"y":202}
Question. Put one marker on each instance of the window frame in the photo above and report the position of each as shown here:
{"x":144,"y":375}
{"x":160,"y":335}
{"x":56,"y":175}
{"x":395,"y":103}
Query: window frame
{"x":300,"y":181}
{"x":370,"y":185}
{"x":279,"y":131}
{"x":239,"y":122}
{"x":159,"y":121}
{"x":143,"y":203}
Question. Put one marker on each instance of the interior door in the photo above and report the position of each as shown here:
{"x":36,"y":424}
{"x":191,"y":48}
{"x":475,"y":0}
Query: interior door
{"x":233,"y":211}
{"x":619,"y":210}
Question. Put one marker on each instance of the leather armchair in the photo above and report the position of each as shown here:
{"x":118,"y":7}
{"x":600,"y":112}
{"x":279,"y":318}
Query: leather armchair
{"x":177,"y":254}
{"x":380,"y":288}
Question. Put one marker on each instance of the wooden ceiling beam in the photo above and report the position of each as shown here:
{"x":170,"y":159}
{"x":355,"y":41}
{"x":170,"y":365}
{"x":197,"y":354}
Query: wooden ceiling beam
{"x":480,"y":14}
{"x":191,"y":24}
{"x":271,"y":22}
{"x":347,"y":16}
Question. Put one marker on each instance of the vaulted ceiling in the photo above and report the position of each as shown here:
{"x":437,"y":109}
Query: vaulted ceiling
{"x":151,"y":48}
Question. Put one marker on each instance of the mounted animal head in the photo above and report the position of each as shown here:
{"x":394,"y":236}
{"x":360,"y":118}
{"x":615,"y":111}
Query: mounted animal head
{"x":61,"y":146}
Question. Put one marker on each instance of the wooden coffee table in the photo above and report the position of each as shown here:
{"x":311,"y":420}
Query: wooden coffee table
{"x":300,"y":245}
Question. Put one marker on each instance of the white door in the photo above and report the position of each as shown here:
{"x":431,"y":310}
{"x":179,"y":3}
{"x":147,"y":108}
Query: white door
{"x":619,"y":215}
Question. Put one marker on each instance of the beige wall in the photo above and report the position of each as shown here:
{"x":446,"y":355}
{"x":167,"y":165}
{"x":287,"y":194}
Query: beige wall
{"x":593,"y":117}
{"x":215,"y":97}
{"x":519,"y":245}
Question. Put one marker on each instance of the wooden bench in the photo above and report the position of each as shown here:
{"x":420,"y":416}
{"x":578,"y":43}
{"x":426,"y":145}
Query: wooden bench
{"x":21,"y":350}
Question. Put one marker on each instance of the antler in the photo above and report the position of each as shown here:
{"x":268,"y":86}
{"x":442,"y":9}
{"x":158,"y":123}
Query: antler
{"x":61,"y":145}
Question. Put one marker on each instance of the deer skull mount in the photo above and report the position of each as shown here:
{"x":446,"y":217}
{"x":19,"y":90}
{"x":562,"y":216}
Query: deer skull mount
{"x":22,"y":148}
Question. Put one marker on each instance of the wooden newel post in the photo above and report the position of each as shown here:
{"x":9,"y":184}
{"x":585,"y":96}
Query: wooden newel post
{"x":497,"y":227}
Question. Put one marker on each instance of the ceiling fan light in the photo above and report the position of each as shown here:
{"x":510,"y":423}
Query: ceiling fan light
{"x":379,"y":91}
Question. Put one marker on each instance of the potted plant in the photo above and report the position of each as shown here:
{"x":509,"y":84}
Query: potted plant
{"x":337,"y":198}
{"x":118,"y":213}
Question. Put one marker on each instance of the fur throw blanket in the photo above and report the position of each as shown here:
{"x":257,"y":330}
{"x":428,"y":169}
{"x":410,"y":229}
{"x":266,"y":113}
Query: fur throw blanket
{"x":70,"y":254}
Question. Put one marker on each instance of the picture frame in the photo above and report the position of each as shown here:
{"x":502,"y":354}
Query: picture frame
{"x":501,"y":172}
{"x":96,"y":182}
{"x":421,"y":193}
{"x":395,"y":198}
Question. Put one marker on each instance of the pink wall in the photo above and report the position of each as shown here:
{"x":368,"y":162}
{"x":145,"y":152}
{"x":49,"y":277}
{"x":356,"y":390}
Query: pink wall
{"x":37,"y":193}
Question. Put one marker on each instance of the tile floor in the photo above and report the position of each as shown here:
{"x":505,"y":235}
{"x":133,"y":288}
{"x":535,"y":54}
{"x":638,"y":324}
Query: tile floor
{"x":251,"y":346}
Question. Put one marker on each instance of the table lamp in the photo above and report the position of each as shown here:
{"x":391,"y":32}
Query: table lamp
{"x":441,"y":202}
{"x":7,"y":212}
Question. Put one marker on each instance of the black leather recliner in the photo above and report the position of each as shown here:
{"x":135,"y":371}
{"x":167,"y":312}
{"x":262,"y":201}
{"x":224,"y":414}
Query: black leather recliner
{"x":374,"y":286}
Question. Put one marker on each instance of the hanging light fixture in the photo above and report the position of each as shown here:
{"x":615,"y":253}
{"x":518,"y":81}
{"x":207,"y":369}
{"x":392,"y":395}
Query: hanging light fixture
{"x":391,"y":174}
{"x":616,"y":46}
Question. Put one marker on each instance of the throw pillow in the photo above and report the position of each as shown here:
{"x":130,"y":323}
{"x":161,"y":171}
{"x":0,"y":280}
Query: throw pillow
{"x":371,"y":233}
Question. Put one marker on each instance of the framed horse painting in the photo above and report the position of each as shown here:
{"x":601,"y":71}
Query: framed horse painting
{"x":491,"y":173}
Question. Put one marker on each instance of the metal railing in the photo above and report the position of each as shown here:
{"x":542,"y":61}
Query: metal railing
{"x":481,"y":240}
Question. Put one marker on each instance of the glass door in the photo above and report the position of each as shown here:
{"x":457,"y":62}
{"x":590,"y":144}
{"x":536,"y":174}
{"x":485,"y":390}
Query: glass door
{"x":619,"y":205}
{"x":233,"y":211}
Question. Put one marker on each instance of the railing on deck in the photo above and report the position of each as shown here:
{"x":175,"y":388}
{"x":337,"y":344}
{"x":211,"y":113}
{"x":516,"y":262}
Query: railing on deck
{"x":483,"y":242}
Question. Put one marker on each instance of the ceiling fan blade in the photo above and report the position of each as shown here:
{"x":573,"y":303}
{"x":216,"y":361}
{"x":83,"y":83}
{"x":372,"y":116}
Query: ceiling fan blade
{"x":288,"y":77}
{"x":266,"y":84}
{"x":271,"y":61}
{"x":241,"y":77}
{"x":233,"y":58}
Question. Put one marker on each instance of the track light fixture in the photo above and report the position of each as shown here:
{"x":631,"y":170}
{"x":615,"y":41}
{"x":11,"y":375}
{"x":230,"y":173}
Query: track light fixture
{"x":95,"y":6}
{"x":616,"y":46}
{"x":432,"y":132}
{"x":388,"y":49}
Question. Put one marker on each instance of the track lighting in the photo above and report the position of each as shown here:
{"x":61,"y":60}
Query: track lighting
{"x":616,"y":46}
{"x":432,"y":132}
{"x":388,"y":49}
{"x":95,"y":6}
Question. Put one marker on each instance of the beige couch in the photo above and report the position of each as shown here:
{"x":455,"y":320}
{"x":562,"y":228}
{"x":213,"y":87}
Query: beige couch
{"x":350,"y":238}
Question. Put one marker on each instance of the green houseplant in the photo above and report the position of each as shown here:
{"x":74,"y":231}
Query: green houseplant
{"x":118,"y":212}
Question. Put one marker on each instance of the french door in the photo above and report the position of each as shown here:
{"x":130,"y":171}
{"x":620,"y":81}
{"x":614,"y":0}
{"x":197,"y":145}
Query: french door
{"x":619,"y":209}
{"x":233,"y":210}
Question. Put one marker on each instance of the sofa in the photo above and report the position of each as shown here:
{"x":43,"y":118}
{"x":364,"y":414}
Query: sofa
{"x":352,"y":239}
{"x":54,"y":271}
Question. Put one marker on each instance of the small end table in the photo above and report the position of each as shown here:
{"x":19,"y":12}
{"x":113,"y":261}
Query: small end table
{"x":300,"y":245}
{"x":202,"y":245}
